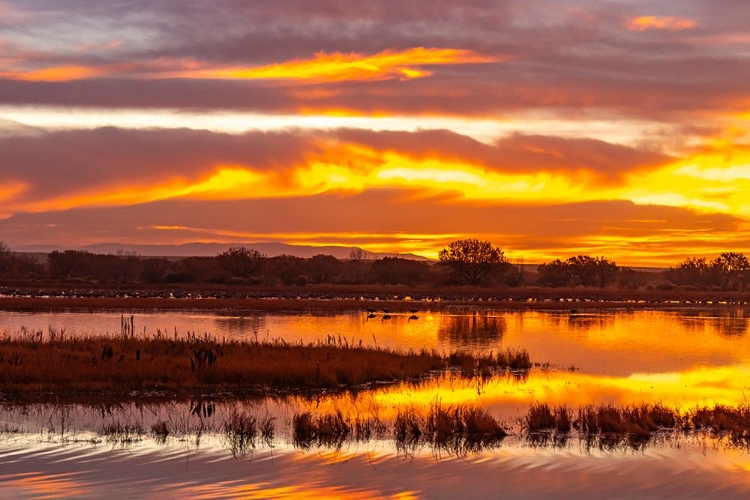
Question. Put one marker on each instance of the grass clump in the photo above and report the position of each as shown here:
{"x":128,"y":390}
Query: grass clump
{"x":243,"y":430}
{"x":455,"y":428}
{"x":160,"y":431}
{"x":723,"y":420}
{"x":326,"y":430}
{"x":508,"y":360}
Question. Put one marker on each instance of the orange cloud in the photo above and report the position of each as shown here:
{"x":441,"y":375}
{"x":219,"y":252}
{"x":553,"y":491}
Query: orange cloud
{"x":643,"y":23}
{"x":337,"y":66}
{"x":61,"y":73}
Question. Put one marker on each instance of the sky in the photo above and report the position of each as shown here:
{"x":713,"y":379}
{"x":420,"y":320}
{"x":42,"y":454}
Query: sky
{"x":615,"y":128}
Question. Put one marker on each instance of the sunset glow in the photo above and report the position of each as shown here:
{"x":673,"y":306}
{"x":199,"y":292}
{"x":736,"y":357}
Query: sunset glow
{"x":642,"y":23}
{"x":622,"y":131}
{"x":345,"y":67}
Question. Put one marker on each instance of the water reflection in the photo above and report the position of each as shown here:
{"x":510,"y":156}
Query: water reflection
{"x":733,"y":323}
{"x":588,"y":322}
{"x":253,"y":326}
{"x":197,"y":447}
{"x":608,"y":342}
{"x":475,"y":331}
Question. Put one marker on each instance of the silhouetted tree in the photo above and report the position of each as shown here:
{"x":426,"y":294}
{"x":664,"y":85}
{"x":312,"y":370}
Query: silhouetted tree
{"x":555,"y":273}
{"x":241,"y":262}
{"x":288,"y":269}
{"x":396,"y":271}
{"x":693,"y":272}
{"x":582,"y":270}
{"x":734,"y":270}
{"x":69,"y":264}
{"x":590,"y":271}
{"x":472,"y":260}
{"x":6,"y":259}
{"x":156,"y":270}
{"x":323,"y":268}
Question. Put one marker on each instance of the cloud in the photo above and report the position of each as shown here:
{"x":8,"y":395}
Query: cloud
{"x":57,"y":73}
{"x":517,"y":153}
{"x":643,"y":23}
{"x":563,"y":56}
{"x":335,"y":67}
{"x":111,"y":166}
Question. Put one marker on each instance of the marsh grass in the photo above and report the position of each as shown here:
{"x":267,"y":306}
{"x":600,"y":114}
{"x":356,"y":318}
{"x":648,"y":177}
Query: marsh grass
{"x":243,"y":432}
{"x":122,"y":434}
{"x":456,"y":429}
{"x":160,"y":432}
{"x":608,"y":427}
{"x":492,"y":363}
{"x":724,"y":421}
{"x":34,"y":361}
{"x":329,"y":430}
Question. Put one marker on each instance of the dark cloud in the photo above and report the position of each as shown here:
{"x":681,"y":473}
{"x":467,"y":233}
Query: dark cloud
{"x":56,"y":163}
{"x":573,"y":54}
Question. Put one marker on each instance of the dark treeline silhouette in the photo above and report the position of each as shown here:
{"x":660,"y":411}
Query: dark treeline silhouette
{"x":581,"y":270}
{"x":462,"y":262}
{"x":729,"y":271}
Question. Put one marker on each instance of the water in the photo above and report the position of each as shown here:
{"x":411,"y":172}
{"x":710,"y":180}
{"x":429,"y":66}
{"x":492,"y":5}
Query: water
{"x":682,"y":359}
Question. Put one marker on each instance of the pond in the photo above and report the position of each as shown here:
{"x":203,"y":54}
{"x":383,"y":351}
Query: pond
{"x":682,"y":359}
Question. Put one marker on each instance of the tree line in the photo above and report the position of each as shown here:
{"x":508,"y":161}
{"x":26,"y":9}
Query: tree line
{"x":471,"y":262}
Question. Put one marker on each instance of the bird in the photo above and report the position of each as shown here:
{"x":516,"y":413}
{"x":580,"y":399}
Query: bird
{"x":385,"y":317}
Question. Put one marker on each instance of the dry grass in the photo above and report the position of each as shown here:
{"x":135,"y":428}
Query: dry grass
{"x":471,"y":364}
{"x":723,"y":421}
{"x":51,"y":361}
{"x":330,"y":430}
{"x":635,"y":425}
{"x":243,"y":431}
{"x":457,"y":429}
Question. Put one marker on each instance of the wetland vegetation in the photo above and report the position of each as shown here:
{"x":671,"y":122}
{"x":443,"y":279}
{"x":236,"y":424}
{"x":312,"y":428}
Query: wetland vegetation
{"x":44,"y":362}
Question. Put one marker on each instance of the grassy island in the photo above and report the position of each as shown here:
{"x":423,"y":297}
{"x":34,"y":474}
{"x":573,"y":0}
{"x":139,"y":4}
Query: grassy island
{"x":39,"y":362}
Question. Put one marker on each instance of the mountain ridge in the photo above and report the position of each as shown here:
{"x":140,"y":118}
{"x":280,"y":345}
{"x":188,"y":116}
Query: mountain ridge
{"x":210,"y":249}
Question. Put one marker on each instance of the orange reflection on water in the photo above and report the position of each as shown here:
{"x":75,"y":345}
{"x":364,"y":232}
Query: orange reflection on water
{"x":312,"y":489}
{"x":41,"y":485}
{"x":508,"y":396}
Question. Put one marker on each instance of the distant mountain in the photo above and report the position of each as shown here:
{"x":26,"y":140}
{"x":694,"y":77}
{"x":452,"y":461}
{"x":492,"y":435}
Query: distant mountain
{"x":271,"y":249}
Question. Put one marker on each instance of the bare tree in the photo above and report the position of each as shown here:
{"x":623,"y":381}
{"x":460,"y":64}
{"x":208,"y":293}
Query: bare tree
{"x":472,"y":259}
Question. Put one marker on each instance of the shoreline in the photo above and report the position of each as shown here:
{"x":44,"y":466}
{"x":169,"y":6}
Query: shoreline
{"x":571,"y":304}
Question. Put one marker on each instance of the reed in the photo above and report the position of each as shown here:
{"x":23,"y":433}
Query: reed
{"x":483,"y":365}
{"x":118,"y":433}
{"x":160,"y":431}
{"x":407,"y":428}
{"x":638,"y":423}
{"x":243,"y":430}
{"x":723,"y":421}
{"x":330,"y":430}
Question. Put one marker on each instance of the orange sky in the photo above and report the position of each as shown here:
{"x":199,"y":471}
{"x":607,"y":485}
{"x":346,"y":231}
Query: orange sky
{"x":549,"y":128}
